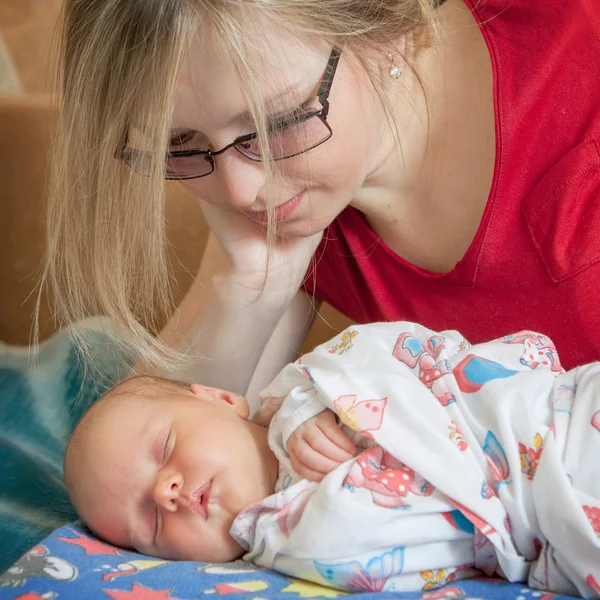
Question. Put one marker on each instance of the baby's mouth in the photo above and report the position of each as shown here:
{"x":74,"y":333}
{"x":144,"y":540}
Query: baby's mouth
{"x":200,"y":498}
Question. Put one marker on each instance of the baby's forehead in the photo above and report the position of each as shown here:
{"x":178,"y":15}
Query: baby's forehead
{"x":129,"y":402}
{"x":151,"y":390}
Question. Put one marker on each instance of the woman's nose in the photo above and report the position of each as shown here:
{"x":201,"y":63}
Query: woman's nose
{"x":238,"y":179}
{"x":167,"y":491}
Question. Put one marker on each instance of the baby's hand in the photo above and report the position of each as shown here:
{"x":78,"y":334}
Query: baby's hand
{"x":319,"y":446}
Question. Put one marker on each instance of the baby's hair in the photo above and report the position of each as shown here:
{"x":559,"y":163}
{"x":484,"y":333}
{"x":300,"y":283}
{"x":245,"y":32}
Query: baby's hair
{"x":149,"y":387}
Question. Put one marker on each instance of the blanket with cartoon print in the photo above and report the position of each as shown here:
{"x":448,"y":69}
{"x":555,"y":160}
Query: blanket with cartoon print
{"x":474,"y":459}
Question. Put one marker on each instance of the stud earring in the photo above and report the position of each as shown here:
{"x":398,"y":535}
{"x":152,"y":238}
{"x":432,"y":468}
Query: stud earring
{"x":395,"y":70}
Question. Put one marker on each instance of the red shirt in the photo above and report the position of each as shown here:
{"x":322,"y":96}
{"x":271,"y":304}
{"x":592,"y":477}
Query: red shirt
{"x":535,"y":260}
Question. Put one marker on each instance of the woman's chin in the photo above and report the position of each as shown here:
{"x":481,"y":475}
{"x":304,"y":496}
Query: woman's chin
{"x":305,"y":226}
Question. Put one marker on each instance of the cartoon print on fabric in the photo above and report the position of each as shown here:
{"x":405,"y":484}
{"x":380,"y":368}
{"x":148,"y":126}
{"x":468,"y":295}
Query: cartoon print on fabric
{"x":563,"y":398}
{"x":290,"y":514}
{"x":439,"y":577}
{"x":307,"y":589}
{"x":487,"y":491}
{"x":424,"y":359}
{"x":363,"y":416}
{"x":132,"y":567}
{"x":464,"y":345}
{"x":90,"y":545}
{"x":232,"y":568}
{"x":457,"y":437}
{"x":304,"y":370}
{"x":372,"y":578}
{"x":591,"y":581}
{"x":388,"y":480}
{"x":37,"y":563}
{"x":596,"y":421}
{"x":140,"y":592}
{"x":346,"y":344}
{"x":36,"y":596}
{"x":473,"y":372}
{"x":533,"y":594}
{"x":236,"y":587}
{"x":458,"y":521}
{"x":496,"y":459}
{"x":537,"y":350}
{"x":530,"y":457}
{"x":447,"y":593}
{"x":593,"y":515}
{"x":484,"y":527}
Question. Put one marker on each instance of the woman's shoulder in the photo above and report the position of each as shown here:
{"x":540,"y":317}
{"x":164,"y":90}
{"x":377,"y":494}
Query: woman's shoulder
{"x":538,"y":24}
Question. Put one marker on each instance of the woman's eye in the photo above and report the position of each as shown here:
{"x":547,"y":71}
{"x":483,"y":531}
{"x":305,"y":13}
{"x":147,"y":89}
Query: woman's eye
{"x":289,"y":119}
{"x":180,"y":139}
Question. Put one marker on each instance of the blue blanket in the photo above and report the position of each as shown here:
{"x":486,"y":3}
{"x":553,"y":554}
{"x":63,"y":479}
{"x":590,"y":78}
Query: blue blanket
{"x":41,"y":399}
{"x":40,"y":402}
{"x":72,"y":564}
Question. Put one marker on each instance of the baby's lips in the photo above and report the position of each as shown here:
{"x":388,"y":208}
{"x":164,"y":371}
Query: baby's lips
{"x":199,"y":500}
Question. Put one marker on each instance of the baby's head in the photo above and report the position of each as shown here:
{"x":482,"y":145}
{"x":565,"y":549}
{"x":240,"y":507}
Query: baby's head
{"x":164,"y":468}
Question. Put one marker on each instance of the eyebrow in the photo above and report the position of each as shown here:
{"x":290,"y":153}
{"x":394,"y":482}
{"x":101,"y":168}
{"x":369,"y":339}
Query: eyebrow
{"x":271,"y":104}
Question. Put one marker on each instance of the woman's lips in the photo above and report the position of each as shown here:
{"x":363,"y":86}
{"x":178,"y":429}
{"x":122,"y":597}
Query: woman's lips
{"x":199,"y":500}
{"x":281,"y":213}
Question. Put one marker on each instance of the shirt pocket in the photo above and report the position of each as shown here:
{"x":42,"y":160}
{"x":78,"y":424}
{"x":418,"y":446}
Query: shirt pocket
{"x":563,"y":213}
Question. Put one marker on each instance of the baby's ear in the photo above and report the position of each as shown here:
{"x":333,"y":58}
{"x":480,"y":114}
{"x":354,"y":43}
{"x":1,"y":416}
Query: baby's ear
{"x":237,"y":402}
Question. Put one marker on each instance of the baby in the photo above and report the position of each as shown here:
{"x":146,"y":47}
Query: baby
{"x":391,"y":452}
{"x":165,"y":468}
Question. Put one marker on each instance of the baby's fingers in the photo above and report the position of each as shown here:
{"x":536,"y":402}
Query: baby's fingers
{"x":320,"y":441}
{"x":328,"y":425}
{"x":309,"y":463}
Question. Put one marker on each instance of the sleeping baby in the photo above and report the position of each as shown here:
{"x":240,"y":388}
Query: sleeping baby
{"x":388,"y":454}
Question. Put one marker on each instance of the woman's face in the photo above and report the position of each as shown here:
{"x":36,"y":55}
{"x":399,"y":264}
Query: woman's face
{"x":209,"y":105}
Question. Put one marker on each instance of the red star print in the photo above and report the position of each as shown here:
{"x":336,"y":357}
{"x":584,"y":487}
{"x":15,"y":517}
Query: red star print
{"x":90,"y":545}
{"x":139,"y":592}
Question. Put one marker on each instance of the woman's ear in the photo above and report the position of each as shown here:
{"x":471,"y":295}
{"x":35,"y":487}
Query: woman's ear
{"x":237,"y":402}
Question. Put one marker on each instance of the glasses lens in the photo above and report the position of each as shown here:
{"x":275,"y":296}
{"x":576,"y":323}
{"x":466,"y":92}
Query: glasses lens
{"x":291,"y":140}
{"x":188,"y":167}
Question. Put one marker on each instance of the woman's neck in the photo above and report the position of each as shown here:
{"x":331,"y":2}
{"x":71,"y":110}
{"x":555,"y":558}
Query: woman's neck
{"x":437,"y":186}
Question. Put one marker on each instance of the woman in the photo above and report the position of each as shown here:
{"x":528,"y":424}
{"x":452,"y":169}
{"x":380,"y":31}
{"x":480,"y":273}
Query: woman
{"x":439,"y":165}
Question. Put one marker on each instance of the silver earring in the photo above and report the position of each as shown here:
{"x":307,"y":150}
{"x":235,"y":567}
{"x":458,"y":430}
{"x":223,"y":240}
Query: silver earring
{"x":395,"y":70}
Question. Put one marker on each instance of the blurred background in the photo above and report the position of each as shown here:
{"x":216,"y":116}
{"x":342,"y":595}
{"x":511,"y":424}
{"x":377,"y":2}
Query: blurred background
{"x":26,"y":29}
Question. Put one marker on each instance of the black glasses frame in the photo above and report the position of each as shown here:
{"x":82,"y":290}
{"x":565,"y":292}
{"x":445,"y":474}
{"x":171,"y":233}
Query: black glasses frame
{"x":125,"y":154}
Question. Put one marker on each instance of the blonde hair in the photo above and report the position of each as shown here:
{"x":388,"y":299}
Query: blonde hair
{"x":106,"y":251}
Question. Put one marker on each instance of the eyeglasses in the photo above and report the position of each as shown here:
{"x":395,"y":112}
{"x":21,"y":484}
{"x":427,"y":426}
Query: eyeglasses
{"x":288,"y":136}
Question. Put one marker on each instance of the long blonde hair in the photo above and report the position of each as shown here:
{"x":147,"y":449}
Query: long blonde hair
{"x":106,"y":250}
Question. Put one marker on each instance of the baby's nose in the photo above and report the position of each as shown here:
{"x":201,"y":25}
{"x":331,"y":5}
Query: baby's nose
{"x":168,"y":491}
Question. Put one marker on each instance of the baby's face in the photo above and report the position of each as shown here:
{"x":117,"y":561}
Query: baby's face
{"x":168,"y":477}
